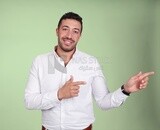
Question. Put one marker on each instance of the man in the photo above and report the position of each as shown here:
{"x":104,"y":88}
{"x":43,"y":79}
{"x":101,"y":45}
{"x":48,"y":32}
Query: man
{"x":60,"y":87}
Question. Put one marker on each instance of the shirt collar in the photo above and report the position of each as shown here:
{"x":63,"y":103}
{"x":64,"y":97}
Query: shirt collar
{"x":56,"y":55}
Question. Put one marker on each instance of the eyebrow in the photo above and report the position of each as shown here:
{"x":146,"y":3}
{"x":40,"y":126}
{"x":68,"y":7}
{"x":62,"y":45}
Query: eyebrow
{"x":68,"y":27}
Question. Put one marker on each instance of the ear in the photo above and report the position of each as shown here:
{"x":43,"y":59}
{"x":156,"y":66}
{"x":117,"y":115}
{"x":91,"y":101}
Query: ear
{"x":57,"y":31}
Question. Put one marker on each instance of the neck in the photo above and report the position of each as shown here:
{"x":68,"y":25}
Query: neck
{"x":66,"y":56}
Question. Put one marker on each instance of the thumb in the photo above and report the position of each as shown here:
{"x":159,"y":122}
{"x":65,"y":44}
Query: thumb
{"x":71,"y":79}
{"x":139,"y":73}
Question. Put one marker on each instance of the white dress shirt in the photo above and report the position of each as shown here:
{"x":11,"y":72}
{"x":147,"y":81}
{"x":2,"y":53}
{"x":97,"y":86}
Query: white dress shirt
{"x":48,"y":73}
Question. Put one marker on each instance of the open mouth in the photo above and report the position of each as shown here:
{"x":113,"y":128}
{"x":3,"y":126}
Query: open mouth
{"x":68,"y":42}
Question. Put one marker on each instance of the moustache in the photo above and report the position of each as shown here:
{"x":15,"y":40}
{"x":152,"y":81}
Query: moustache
{"x":66,"y":38}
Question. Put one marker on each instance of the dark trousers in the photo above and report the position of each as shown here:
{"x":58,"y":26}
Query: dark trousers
{"x":88,"y":128}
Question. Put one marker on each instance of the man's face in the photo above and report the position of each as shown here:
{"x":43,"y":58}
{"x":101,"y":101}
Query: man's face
{"x":68,"y":34}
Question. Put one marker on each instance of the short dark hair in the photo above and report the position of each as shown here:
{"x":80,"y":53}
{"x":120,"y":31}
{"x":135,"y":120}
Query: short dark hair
{"x":71,"y":15}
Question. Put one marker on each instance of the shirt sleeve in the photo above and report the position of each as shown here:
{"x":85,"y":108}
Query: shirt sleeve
{"x":104,"y":98}
{"x":34,"y":99}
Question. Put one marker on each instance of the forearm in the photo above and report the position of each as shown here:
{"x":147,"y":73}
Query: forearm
{"x":41,"y":101}
{"x":112,"y":100}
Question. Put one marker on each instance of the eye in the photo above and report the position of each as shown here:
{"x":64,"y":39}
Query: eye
{"x":64,"y":29}
{"x":76,"y":31}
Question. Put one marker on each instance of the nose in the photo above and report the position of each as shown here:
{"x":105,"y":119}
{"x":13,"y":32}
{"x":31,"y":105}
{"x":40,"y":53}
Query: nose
{"x":69,"y":34}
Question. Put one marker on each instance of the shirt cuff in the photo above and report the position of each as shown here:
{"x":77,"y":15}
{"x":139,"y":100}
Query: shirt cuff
{"x":120,"y":95}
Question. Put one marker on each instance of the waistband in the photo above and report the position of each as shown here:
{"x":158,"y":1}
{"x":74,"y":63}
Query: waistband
{"x":88,"y":128}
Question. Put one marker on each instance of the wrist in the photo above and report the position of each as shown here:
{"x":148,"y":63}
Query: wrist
{"x":124,"y":91}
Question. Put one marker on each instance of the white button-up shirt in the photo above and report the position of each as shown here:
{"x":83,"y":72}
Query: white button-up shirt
{"x":48,"y":73}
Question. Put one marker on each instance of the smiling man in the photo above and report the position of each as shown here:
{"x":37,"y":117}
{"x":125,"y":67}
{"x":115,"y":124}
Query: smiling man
{"x":64,"y":92}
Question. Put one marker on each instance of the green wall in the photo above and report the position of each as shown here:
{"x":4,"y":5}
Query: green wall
{"x":123,"y":34}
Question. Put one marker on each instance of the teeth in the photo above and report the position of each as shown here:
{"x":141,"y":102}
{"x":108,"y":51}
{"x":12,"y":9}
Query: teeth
{"x":68,"y":41}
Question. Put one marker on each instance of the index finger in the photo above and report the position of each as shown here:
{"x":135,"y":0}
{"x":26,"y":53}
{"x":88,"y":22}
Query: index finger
{"x":79,"y":83}
{"x":146,"y":75}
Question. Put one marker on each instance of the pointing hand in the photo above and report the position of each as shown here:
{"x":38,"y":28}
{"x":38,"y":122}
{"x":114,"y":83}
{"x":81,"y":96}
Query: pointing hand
{"x":70,"y":89}
{"x":137,"y":82}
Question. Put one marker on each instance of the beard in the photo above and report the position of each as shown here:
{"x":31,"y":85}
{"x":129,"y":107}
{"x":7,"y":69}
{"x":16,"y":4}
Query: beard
{"x":66,"y":48}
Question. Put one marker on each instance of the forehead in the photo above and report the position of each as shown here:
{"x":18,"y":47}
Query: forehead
{"x":71,"y":23}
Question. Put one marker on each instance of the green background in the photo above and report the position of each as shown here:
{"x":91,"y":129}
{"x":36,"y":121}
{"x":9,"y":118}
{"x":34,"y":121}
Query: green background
{"x":123,"y":34}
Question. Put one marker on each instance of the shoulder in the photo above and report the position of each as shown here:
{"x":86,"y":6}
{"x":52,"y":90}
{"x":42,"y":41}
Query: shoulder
{"x":42,"y":57}
{"x":84,"y":54}
{"x":85,"y":58}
